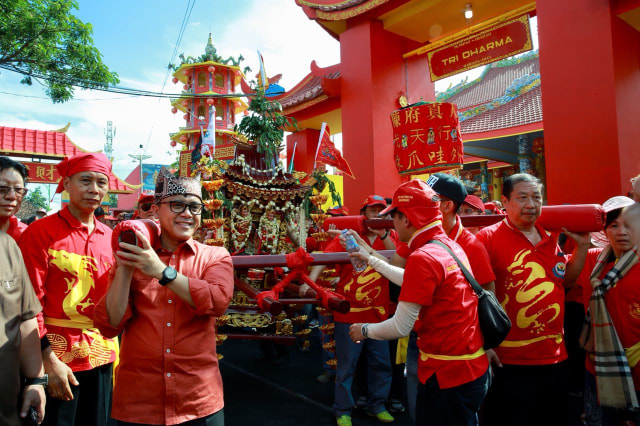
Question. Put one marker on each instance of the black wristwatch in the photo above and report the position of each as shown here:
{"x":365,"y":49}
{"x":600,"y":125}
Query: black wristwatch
{"x":44,"y":380}
{"x":169,"y":274}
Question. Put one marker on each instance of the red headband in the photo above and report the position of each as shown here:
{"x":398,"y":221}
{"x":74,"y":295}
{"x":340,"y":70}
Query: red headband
{"x":90,"y":161}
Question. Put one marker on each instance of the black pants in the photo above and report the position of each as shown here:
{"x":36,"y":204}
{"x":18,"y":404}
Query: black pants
{"x":91,"y":403}
{"x":457,"y":406}
{"x":526,"y":395}
{"x":215,"y":419}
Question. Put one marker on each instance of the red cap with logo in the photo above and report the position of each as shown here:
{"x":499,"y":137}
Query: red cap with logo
{"x":146,"y":197}
{"x":475,"y":202}
{"x":416,"y":200}
{"x":374,"y":200}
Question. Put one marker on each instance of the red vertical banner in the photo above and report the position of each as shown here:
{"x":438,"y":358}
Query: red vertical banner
{"x":426,"y":138}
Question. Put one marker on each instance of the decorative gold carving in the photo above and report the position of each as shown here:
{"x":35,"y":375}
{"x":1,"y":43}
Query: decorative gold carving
{"x":222,"y":320}
{"x":249,"y":320}
{"x":329,"y":346}
{"x":220,"y":338}
{"x":284,"y":327}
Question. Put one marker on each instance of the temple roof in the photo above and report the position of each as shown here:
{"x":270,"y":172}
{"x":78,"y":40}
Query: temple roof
{"x":48,"y":144}
{"x":318,"y":85}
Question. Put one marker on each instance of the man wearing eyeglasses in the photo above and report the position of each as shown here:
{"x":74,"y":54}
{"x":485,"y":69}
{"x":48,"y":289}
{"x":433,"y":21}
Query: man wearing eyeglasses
{"x":68,"y":257}
{"x":164,"y":299}
{"x":13,"y":176}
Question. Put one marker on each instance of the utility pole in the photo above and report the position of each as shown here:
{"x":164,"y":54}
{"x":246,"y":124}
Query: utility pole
{"x":110,"y":133}
{"x":139,"y":158}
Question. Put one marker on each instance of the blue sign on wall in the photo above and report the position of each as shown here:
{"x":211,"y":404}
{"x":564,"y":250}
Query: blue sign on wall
{"x":149,"y":173}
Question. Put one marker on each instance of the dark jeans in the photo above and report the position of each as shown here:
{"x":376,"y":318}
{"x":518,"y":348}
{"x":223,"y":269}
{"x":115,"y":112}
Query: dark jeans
{"x":215,"y":419}
{"x":457,"y":406}
{"x":528,"y":395}
{"x":91,"y":403}
{"x":595,"y":415}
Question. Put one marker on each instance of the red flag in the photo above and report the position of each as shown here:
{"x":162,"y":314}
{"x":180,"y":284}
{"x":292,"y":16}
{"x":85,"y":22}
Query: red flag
{"x":328,"y":154}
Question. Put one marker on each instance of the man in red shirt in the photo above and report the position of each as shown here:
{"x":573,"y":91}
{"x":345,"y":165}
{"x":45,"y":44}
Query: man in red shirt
{"x":437,"y":298}
{"x":531,"y":384}
{"x":165,"y":299}
{"x":13,"y":176}
{"x":368,"y":293}
{"x":68,"y":256}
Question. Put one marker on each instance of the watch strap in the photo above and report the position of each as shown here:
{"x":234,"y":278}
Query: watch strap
{"x":30,"y":381}
{"x":168,"y":275}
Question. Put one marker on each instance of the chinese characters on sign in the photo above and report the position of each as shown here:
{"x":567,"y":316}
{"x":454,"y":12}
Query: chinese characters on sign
{"x":501,"y":41}
{"x":426,"y":138}
{"x":42,"y":172}
{"x":185,"y":163}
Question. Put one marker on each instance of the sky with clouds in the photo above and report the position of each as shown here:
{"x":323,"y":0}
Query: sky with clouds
{"x":137,"y":38}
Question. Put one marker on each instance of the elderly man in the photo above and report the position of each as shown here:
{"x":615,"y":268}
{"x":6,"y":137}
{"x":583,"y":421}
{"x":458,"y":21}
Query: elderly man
{"x":530,"y":272}
{"x":435,"y":295}
{"x":165,"y":299}
{"x":13,"y":176}
{"x":68,"y":256}
{"x":18,"y":338}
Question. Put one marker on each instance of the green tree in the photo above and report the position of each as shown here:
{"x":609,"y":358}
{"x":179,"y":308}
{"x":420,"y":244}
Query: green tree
{"x":113,"y":200}
{"x":43,"y":40}
{"x":36,"y":198}
{"x":266,"y":125}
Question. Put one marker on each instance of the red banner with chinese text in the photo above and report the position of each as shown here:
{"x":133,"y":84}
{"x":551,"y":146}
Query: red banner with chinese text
{"x":42,"y":172}
{"x":426,"y":138}
{"x":184,"y":165}
{"x":498,"y":42}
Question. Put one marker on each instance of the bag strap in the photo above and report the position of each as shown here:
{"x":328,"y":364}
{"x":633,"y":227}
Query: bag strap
{"x":474,"y":284}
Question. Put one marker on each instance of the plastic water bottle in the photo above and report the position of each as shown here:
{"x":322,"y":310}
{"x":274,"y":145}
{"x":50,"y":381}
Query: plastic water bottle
{"x":352,"y":246}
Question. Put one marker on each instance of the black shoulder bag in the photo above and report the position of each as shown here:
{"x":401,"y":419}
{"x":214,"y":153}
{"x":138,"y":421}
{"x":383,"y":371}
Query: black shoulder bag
{"x":494,"y":322}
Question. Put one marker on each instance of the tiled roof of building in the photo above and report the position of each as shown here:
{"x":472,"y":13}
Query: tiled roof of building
{"x":312,"y":87}
{"x":494,"y":83}
{"x":50,"y":144}
{"x":525,"y":109}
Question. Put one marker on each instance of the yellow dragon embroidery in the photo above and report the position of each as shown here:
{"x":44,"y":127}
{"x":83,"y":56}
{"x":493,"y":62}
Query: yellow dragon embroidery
{"x":365,"y":291}
{"x":524,"y":275}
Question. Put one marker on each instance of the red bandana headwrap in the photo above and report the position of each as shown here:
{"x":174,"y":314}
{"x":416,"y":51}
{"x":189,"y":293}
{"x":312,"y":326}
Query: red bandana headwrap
{"x":85,"y":162}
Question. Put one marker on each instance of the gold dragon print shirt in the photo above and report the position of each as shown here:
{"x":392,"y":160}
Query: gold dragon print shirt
{"x":69,"y":269}
{"x":529,"y":285}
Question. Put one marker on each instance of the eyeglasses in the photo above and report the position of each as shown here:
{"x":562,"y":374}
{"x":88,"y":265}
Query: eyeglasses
{"x":20,"y":191}
{"x":179,"y":207}
{"x":146,"y":206}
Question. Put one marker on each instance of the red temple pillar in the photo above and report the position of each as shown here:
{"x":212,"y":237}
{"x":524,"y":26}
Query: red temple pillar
{"x":374,"y":75}
{"x":590,"y":74}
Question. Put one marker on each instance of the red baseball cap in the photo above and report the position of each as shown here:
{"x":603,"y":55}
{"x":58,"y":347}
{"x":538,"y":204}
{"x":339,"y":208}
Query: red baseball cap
{"x":474,"y":202}
{"x":416,"y":200}
{"x":338,"y":211}
{"x":146,"y":197}
{"x":374,"y":200}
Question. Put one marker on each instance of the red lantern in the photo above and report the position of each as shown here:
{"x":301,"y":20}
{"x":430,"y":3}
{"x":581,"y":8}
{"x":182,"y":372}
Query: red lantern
{"x":538,"y":146}
{"x":175,"y":80}
{"x":183,"y":138}
{"x":210,"y":101}
{"x":186,"y":116}
{"x":174,"y":110}
{"x":211,"y":69}
{"x":497,"y":173}
{"x":246,"y":112}
{"x":237,"y":104}
{"x":185,"y":103}
{"x":185,"y":87}
{"x":173,"y":143}
{"x":185,"y":72}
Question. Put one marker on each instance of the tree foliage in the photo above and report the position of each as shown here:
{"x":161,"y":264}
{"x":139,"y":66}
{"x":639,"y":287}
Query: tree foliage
{"x":43,"y":40}
{"x":36,"y":198}
{"x":265,"y":126}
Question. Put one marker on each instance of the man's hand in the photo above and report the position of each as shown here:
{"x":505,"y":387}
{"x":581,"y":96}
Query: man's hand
{"x":379,"y":232}
{"x":33,"y":396}
{"x":145,"y":259}
{"x":493,"y":358}
{"x":581,"y":239}
{"x":355,"y":332}
{"x":303,"y":289}
{"x":60,"y":377}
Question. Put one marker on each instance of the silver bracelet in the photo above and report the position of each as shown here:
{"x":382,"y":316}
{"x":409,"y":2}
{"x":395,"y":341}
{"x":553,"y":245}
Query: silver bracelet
{"x":365,"y":332}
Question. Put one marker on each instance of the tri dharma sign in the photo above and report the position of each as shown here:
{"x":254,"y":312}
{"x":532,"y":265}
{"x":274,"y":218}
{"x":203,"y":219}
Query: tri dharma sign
{"x":493,"y":44}
{"x":426,"y":138}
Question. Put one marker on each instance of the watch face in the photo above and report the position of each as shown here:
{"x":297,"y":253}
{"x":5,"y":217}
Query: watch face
{"x":171,"y":273}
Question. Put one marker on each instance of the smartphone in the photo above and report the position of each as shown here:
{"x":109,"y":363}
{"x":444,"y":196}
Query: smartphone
{"x":128,"y":236}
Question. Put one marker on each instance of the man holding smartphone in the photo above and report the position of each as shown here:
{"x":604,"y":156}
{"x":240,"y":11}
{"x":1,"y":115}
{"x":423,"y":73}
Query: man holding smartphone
{"x":165,"y":299}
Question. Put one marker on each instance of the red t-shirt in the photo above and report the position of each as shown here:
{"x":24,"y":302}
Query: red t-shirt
{"x":475,"y":251}
{"x":69,"y":269}
{"x":367,"y":291}
{"x":529,"y":285}
{"x":449,"y":335}
{"x":16,"y":228}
